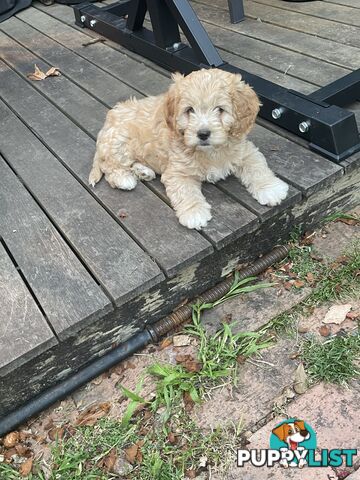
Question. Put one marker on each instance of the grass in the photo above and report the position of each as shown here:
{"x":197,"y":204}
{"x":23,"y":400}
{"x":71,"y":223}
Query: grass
{"x":333,"y":360}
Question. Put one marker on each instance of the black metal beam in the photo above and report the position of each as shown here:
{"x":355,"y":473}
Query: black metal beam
{"x":330,"y":130}
{"x":236,"y":9}
{"x":165,"y":27}
{"x":341,"y":92}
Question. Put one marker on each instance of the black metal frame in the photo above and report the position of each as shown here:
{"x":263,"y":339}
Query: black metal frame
{"x":318,"y":118}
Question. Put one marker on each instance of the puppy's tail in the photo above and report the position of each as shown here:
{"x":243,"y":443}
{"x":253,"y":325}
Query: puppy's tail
{"x":96,"y":173}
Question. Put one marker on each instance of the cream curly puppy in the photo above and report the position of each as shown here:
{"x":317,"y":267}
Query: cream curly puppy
{"x":194,"y":132}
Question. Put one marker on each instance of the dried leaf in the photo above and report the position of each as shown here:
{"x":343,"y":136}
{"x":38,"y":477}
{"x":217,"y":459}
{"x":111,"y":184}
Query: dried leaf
{"x":303,"y":329}
{"x":131,"y":453}
{"x":353,"y":315}
{"x":108,"y":462}
{"x":40,"y":75}
{"x":23,"y":451}
{"x":53,"y":72}
{"x":93,"y":414}
{"x":310,"y":277}
{"x":165,"y":343}
{"x":190,"y":473}
{"x":348,"y":221}
{"x":188,"y":402}
{"x":11,"y":439}
{"x":324,"y":331}
{"x":299,"y":283}
{"x":300,"y":380}
{"x":337,"y":314}
{"x":181,"y":340}
{"x":192,"y":366}
{"x":172,"y":438}
{"x":56,"y":433}
{"x":25,"y":468}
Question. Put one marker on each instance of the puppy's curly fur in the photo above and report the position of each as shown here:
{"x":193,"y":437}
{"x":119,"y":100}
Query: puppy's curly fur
{"x":194,"y":132}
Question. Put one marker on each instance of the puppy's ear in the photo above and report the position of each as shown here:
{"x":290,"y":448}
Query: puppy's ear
{"x":246,"y":106}
{"x":170,"y":107}
{"x":177,"y":77}
{"x":281,"y":431}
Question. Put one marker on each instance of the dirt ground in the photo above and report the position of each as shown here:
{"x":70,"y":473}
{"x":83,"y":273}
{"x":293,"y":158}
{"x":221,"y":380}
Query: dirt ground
{"x":269,"y":387}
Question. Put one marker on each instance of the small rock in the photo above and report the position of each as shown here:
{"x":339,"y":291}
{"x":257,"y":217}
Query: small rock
{"x":122,"y":467}
{"x":181,"y":340}
{"x":303,"y":329}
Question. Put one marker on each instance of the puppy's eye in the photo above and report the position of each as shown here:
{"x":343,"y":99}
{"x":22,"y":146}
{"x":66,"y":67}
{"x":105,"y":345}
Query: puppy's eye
{"x":189,"y":110}
{"x":219,"y":109}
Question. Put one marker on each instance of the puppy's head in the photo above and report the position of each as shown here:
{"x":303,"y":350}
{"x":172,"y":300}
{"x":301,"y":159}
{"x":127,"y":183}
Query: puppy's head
{"x":208,"y":107}
{"x":294,"y":432}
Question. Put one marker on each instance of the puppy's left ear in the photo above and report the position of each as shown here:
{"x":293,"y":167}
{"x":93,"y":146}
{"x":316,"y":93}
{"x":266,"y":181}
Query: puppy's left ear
{"x":246,"y":106}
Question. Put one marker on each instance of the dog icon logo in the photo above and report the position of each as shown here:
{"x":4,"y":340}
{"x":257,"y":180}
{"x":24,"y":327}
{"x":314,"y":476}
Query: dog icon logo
{"x":293,"y":438}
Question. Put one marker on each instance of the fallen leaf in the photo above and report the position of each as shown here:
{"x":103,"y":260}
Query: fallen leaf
{"x":308,"y":238}
{"x":188,"y":402}
{"x":133,"y":453}
{"x":288,"y":285}
{"x":108,"y":462}
{"x":25,"y":468}
{"x":299,"y":283}
{"x":324,"y":331}
{"x":23,"y":451}
{"x":192,"y":366}
{"x":182,"y":358}
{"x":181,"y":340}
{"x":353,"y":315}
{"x":9,"y":453}
{"x":190,"y":473}
{"x":11,"y":439}
{"x":348,"y":221}
{"x":172,"y":438}
{"x":56,"y":433}
{"x":40,"y":75}
{"x":91,"y":42}
{"x":165,"y":343}
{"x":300,"y":380}
{"x":91,"y":415}
{"x":241,"y":359}
{"x":310,"y":277}
{"x":337,"y":313}
{"x":53,"y":72}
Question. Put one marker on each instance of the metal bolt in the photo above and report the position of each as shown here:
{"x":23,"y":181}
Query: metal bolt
{"x":277,"y":112}
{"x":92,"y":23}
{"x":82,"y":18}
{"x":304,"y":126}
{"x":176,"y":46}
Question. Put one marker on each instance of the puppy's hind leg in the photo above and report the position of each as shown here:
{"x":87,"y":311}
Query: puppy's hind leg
{"x":96,"y":172}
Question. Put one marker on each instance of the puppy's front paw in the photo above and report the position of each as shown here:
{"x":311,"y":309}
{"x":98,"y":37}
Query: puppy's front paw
{"x":273,"y":194}
{"x":195,"y":217}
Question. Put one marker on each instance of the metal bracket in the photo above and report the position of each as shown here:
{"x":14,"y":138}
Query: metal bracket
{"x":318,"y":118}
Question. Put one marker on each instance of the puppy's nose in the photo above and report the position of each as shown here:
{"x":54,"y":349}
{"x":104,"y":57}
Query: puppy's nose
{"x":203,"y":134}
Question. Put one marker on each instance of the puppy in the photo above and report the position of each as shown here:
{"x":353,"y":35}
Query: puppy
{"x":292,"y":433}
{"x":194,"y":132}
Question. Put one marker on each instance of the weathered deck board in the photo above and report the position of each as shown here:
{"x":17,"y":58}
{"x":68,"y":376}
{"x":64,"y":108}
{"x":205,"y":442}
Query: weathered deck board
{"x":330,"y":10}
{"x":320,"y":27}
{"x":21,"y":321}
{"x":323,"y":50}
{"x":84,"y":109}
{"x":84,"y":73}
{"x":65,"y":290}
{"x":172,"y":245}
{"x":114,"y":258}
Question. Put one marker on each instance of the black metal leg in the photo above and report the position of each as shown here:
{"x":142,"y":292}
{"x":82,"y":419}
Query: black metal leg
{"x":330,"y":130}
{"x":236,"y":9}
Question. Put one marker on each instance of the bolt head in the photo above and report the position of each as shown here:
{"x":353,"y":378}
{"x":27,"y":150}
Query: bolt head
{"x":304,"y":127}
{"x":82,"y":18}
{"x":176,"y":45}
{"x":92,"y":22}
{"x":276,"y":113}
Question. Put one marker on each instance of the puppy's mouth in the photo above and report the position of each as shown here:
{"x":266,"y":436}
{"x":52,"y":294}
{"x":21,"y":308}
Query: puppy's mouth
{"x":204,"y":144}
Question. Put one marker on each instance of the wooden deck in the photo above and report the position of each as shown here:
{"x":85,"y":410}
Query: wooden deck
{"x":83,"y":269}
